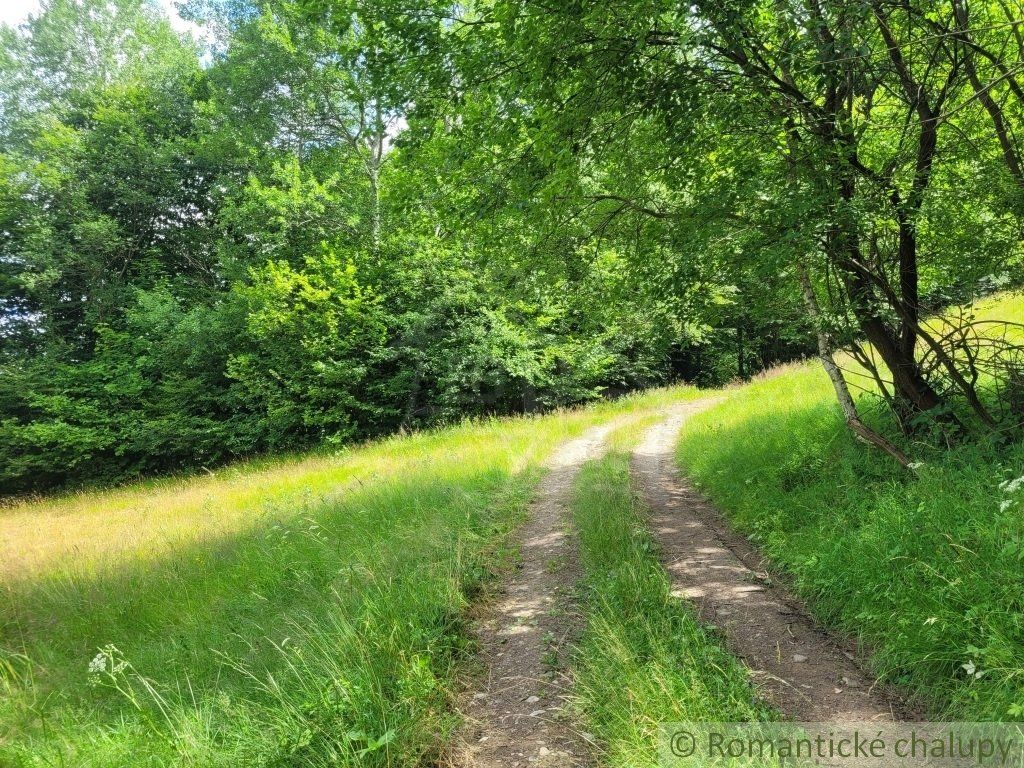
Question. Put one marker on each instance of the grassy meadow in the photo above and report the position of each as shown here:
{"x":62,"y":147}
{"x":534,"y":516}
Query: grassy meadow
{"x":301,"y":612}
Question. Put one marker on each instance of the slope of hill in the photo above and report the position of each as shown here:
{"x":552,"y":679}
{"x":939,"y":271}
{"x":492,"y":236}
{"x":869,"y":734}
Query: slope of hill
{"x":313,"y":611}
{"x":923,"y":567}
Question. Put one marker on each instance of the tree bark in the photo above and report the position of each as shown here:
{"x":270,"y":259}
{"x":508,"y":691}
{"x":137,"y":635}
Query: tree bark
{"x":895,"y":351}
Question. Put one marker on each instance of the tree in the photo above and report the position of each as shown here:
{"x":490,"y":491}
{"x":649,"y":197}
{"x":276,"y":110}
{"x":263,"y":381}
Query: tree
{"x":848,"y":116}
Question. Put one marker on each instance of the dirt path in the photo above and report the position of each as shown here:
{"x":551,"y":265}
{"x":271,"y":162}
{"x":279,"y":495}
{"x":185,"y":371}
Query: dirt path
{"x":797,"y":667}
{"x":514,"y":712}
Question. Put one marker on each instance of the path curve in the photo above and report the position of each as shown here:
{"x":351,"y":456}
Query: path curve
{"x":797,"y":667}
{"x":515,"y":715}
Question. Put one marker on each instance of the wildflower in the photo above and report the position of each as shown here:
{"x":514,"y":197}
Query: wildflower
{"x":972,"y":670}
{"x":1012,"y":486}
{"x":107,"y":662}
{"x":98,"y":664}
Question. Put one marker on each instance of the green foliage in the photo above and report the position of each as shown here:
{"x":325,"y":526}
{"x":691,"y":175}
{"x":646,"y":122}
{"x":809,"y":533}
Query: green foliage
{"x":154,"y":396}
{"x":204,"y":262}
{"x":744,"y":147}
{"x":344,"y":218}
{"x":309,"y":341}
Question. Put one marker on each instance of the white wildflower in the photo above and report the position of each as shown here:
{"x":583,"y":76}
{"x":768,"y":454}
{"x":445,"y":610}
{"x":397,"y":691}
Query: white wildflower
{"x":98,"y":663}
{"x":108,"y":661}
{"x":1005,"y":504}
{"x":1012,"y":486}
{"x":915,"y":465}
{"x":972,"y":670}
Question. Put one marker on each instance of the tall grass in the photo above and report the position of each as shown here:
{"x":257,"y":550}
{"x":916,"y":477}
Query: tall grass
{"x":926,"y":568}
{"x":320,"y":625}
{"x":149,"y":519}
{"x":644,"y":659}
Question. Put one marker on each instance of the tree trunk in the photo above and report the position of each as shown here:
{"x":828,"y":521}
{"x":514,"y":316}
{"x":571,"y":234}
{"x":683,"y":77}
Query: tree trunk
{"x":899,"y":357}
{"x":895,"y":348}
{"x":846,"y":402}
{"x":740,"y":367}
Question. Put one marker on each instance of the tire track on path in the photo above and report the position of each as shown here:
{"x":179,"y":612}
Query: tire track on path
{"x":515,"y":712}
{"x":797,"y":667}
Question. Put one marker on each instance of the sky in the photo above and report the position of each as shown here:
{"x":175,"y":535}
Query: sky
{"x":16,"y":11}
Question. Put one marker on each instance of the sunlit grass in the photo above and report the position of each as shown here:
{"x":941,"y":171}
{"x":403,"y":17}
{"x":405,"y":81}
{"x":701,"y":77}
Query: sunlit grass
{"x":1000,"y":308}
{"x":300,"y":612}
{"x":145,"y":520}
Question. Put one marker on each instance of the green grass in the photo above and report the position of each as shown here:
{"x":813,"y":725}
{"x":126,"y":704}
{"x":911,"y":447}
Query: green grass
{"x":285,"y":625}
{"x":644,"y":659}
{"x":925,"y":568}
